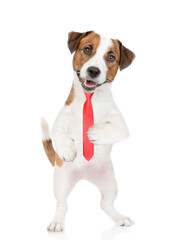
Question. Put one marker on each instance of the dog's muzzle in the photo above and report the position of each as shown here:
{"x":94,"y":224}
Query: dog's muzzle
{"x":90,"y":84}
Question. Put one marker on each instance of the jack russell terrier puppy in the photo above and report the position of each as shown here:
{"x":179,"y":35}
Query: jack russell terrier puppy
{"x":96,"y":61}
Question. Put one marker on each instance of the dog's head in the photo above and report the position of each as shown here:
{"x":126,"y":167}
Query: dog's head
{"x":97,"y":59}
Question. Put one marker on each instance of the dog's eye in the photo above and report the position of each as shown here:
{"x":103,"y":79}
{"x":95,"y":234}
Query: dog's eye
{"x":110,"y":58}
{"x":87,"y":50}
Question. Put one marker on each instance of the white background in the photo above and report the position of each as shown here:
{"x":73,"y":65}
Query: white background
{"x":152,"y":167}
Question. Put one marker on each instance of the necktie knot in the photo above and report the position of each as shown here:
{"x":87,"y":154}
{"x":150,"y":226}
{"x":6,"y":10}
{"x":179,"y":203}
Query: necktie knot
{"x":88,"y":95}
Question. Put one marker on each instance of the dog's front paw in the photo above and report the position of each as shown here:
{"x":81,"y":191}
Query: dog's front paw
{"x":97,"y":133}
{"x":68,"y":151}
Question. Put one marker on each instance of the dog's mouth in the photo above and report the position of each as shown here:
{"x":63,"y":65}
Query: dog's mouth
{"x":87,"y":84}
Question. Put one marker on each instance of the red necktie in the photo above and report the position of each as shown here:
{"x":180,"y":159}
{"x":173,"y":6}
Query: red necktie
{"x":88,"y":147}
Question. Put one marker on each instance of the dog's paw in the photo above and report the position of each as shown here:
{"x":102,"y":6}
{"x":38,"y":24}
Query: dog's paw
{"x":97,"y":133}
{"x":68,"y":151}
{"x":125,"y":221}
{"x":56,"y":226}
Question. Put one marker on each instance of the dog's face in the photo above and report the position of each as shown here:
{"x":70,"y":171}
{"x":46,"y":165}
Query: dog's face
{"x":97,"y":59}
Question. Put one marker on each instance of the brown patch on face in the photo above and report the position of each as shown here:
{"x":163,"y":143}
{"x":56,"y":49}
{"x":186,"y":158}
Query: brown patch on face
{"x":112,"y":65}
{"x":80,"y":57}
{"x":51,"y":154}
{"x":70,"y":97}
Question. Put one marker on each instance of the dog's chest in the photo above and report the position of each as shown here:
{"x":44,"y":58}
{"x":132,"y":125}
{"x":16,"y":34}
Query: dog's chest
{"x":100,"y":114}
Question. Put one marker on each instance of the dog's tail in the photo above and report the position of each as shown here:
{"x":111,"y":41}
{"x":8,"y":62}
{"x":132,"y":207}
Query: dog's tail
{"x":48,"y":146}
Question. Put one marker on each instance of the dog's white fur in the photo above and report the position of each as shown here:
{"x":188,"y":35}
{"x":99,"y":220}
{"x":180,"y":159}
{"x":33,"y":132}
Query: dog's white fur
{"x":109,"y":127}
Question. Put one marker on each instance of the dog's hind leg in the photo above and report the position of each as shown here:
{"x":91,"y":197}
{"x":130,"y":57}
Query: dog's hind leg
{"x":64,"y":181}
{"x":105,"y":181}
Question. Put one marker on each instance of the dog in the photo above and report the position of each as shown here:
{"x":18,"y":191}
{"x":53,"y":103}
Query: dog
{"x":95,"y":63}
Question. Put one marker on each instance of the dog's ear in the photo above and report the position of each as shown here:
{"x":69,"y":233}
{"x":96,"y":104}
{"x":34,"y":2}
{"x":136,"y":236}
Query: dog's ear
{"x":74,"y":39}
{"x":126,"y":56}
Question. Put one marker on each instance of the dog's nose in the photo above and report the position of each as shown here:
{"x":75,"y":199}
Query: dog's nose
{"x":93,"y":72}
